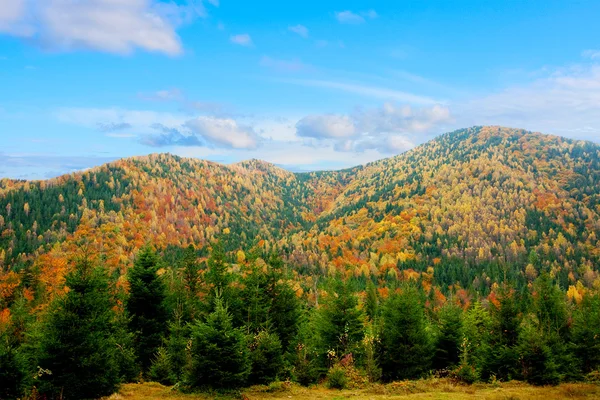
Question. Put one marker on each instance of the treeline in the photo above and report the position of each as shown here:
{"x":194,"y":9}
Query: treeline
{"x":223,"y":324}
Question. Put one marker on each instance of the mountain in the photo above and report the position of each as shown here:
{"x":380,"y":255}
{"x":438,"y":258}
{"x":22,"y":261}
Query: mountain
{"x":468,"y":209}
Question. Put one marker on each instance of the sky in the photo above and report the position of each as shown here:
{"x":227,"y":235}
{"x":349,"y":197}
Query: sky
{"x":305,"y":85}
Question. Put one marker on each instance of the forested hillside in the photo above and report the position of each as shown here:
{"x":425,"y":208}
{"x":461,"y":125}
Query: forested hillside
{"x":455,"y":257}
{"x":469,"y":207}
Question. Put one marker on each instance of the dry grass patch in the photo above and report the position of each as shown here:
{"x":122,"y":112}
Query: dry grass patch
{"x":443,"y":389}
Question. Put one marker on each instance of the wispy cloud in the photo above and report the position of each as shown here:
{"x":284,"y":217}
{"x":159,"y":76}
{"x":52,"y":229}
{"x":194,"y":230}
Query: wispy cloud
{"x":113,"y":126}
{"x":389,"y":129}
{"x":366,"y":90}
{"x":114,"y":26}
{"x":300,"y":30}
{"x":592,"y":54}
{"x":564,"y":102}
{"x":350,"y":17}
{"x":243,"y":39}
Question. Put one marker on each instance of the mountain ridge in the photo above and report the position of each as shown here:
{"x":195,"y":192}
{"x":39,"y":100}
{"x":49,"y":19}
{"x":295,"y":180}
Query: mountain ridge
{"x":465,"y":204}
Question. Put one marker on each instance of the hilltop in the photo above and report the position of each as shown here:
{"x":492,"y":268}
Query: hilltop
{"x":463,"y":208}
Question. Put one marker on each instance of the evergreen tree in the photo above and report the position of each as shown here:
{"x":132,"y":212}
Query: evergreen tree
{"x":372,"y":301}
{"x":11,"y":371}
{"x":545,"y":355}
{"x":586,"y":333}
{"x":477,"y":327}
{"x":538,"y":361}
{"x":145,"y":307}
{"x":77,"y":352}
{"x":219,"y":352}
{"x":339,"y":323}
{"x":503,"y":358}
{"x":449,"y":337}
{"x":177,"y":348}
{"x":406,"y":345}
{"x":266,"y":358}
{"x":219,"y":281}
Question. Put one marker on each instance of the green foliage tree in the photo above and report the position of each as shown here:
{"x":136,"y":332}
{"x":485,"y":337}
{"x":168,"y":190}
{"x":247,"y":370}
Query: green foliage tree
{"x":449,"y":337}
{"x":219,"y":352}
{"x":339,"y":324}
{"x":77,"y":349}
{"x":406,"y":344}
{"x":545,"y":356}
{"x":372,"y":300}
{"x":145,"y":307}
{"x":266,"y":356}
{"x":477,"y":328}
{"x":586,"y":333}
{"x":177,"y":342}
{"x":11,"y":370}
{"x":502,"y":358}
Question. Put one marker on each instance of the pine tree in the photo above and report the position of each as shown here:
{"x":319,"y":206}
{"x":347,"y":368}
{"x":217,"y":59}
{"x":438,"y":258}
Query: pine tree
{"x":266,"y":357}
{"x":477,"y":327}
{"x":339,"y":324}
{"x":545,"y":355}
{"x":176,"y":348}
{"x":372,"y":301}
{"x":145,"y":307}
{"x":11,"y":371}
{"x":586,"y":333}
{"x":503,"y":358}
{"x":449,"y":337}
{"x":219,"y":352}
{"x":406,"y":346}
{"x":77,"y":349}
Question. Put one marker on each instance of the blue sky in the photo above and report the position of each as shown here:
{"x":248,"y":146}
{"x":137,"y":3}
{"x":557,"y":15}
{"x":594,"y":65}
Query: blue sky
{"x":305,"y":85}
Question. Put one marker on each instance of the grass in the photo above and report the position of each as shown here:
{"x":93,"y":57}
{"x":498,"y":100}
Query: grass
{"x":442,"y":389}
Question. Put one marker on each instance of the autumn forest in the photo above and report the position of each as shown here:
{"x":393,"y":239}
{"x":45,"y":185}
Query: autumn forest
{"x":473,"y":257}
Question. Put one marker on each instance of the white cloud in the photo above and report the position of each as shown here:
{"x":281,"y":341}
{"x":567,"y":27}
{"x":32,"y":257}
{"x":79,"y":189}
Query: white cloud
{"x":388,"y":129}
{"x":300,"y":30}
{"x":293,"y":65}
{"x":349,"y":17}
{"x":564,"y":102}
{"x":592,"y":54}
{"x":329,"y":126}
{"x":223,"y":132}
{"x":366,"y":90}
{"x":243,"y":39}
{"x":115,"y":26}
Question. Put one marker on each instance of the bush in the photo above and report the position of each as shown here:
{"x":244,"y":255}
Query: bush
{"x":336,"y":378}
{"x":464,"y":373}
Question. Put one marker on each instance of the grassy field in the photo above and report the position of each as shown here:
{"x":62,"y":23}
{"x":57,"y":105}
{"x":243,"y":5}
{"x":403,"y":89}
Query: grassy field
{"x":426,"y":389}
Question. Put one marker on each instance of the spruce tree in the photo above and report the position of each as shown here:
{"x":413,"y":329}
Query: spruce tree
{"x":266,"y":356}
{"x":145,"y":306}
{"x":477,"y":327}
{"x":545,"y":356}
{"x":219,"y":352}
{"x":406,"y":345}
{"x":586,"y":334}
{"x":502,"y":359}
{"x":339,"y":323}
{"x":11,"y":371}
{"x":372,"y":301}
{"x":449,"y":337}
{"x":77,"y":350}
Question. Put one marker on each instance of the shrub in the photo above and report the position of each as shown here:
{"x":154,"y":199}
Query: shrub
{"x":336,"y":378}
